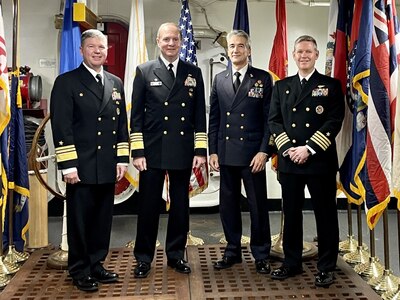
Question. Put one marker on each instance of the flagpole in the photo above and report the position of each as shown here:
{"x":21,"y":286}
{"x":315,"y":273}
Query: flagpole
{"x":13,"y":256}
{"x":387,"y":282}
{"x":360,"y":255}
{"x":372,"y":268}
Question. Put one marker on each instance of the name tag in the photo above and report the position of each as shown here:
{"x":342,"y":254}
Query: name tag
{"x":155,"y":83}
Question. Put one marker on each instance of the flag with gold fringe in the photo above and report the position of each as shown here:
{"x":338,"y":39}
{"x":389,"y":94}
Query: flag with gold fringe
{"x":381,"y":102}
{"x":394,"y":46}
{"x":352,"y":171}
{"x":18,"y":180}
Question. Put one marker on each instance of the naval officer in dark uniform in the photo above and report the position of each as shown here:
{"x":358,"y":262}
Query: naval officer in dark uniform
{"x":168,"y":136}
{"x":306,"y":114}
{"x":239,"y":146}
{"x":90,"y":133}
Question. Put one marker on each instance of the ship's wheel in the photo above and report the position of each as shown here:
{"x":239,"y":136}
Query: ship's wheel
{"x":42,"y":156}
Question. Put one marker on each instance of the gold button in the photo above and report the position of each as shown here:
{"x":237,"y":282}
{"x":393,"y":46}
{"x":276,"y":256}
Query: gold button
{"x":114,"y":132}
{"x":165,"y":132}
{"x":166,"y":103}
{"x":227,"y":125}
{"x":241,"y":139}
{"x":242,"y":115}
{"x":99,"y":147}
{"x":293,"y":125}
{"x":274,"y":134}
{"x":307,"y":125}
{"x":183,"y":119}
{"x":227,"y":138}
{"x":99,"y":133}
{"x":166,"y":118}
{"x":241,"y":127}
{"x":113,"y":118}
{"x":113,"y":146}
{"x":182,"y":133}
{"x":183,"y":104}
{"x":99,"y":119}
{"x":307,"y":109}
{"x":294,"y":141}
{"x":294,"y":109}
{"x":228,"y":113}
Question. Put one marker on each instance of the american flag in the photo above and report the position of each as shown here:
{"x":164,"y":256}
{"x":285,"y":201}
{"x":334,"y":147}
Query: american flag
{"x":188,"y":48}
{"x":199,"y":176}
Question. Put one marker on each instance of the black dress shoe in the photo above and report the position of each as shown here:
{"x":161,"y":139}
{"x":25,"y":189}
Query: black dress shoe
{"x":180,"y":266}
{"x":284,"y":272}
{"x":262,"y":266}
{"x":324,"y":279}
{"x":227,"y":262}
{"x":104,"y":276}
{"x":141,"y":270}
{"x":87,"y":284}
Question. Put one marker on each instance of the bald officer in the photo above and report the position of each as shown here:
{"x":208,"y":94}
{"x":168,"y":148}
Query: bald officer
{"x":168,"y":136}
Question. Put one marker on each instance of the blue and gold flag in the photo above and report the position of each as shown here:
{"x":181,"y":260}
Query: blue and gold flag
{"x":18,"y":180}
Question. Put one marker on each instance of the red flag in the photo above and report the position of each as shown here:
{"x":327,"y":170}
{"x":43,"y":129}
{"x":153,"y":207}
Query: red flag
{"x":278,"y":61}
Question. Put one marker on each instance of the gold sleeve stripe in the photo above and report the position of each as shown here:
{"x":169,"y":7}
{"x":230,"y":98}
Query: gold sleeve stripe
{"x":321,"y":140}
{"x":281,"y":139}
{"x":137,"y":141}
{"x":66,"y":153}
{"x":71,"y":155}
{"x":200,"y":140}
{"x":123,"y":149}
{"x":123,"y":152}
{"x":65,"y":148}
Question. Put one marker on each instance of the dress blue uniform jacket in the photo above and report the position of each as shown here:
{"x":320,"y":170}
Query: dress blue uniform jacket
{"x":168,"y":119}
{"x":90,"y":129}
{"x":238,"y":125}
{"x":312,"y":116}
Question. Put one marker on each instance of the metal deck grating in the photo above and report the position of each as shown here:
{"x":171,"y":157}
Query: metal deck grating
{"x":36,"y":281}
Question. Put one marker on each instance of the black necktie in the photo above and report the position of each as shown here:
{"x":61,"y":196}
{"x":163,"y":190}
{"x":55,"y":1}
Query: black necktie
{"x":236,"y":84}
{"x":99,"y":81}
{"x":171,"y":71}
{"x":303,"y":83}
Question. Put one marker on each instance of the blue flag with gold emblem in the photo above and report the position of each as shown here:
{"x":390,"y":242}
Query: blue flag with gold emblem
{"x":18,"y":179}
